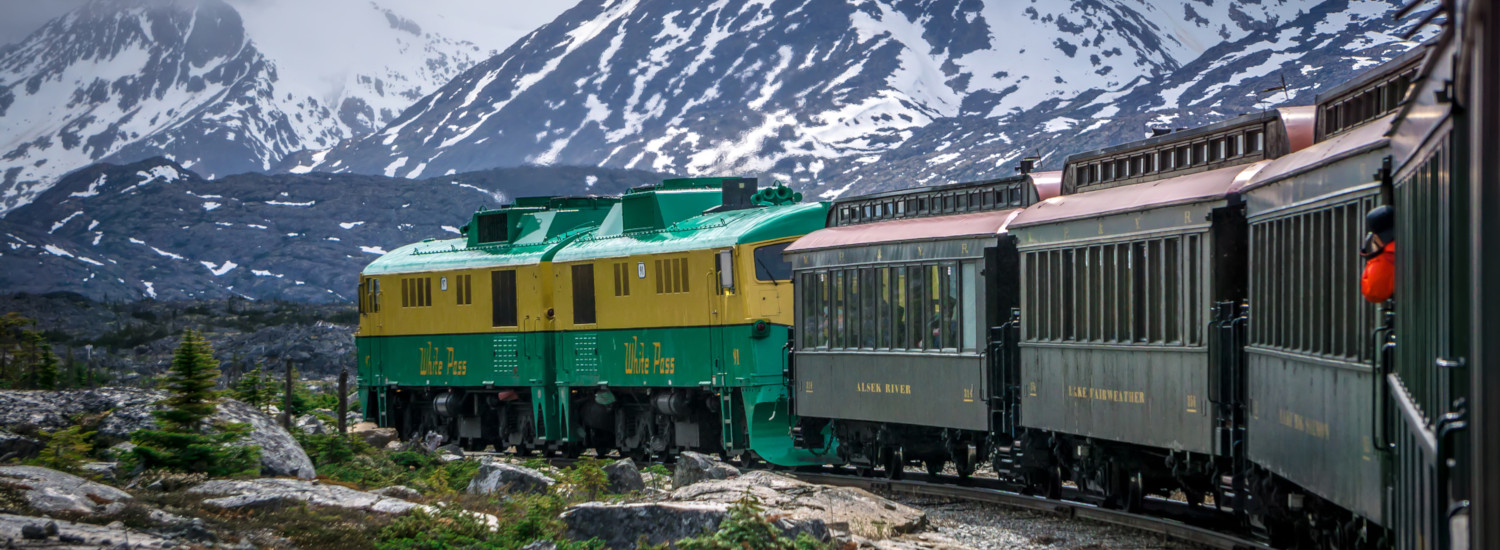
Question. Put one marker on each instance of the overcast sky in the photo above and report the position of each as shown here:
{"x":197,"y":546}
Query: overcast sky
{"x":19,"y":17}
{"x":501,"y":21}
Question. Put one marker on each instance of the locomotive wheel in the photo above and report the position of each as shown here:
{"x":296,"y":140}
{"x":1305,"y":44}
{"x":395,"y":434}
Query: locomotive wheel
{"x":964,"y":464}
{"x":1052,"y":487}
{"x":935,"y":466}
{"x":895,"y":463}
{"x":1136,"y":495}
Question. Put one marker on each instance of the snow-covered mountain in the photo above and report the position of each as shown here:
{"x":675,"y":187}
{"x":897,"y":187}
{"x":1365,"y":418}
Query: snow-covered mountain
{"x":833,"y":93}
{"x":222,"y":86}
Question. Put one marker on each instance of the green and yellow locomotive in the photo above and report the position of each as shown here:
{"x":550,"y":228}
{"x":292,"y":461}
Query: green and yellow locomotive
{"x":648,"y":324}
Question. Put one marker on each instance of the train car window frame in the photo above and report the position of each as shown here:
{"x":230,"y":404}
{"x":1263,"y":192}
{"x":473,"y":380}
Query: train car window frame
{"x":584,"y":310}
{"x":952,"y":307}
{"x":836,"y":310}
{"x":885,"y":316}
{"x":968,"y":302}
{"x":503,"y":298}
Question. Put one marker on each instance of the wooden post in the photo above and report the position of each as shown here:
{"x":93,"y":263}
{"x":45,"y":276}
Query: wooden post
{"x":343,"y":401}
{"x":286,"y":406}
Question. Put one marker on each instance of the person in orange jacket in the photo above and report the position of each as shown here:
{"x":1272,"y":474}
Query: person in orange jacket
{"x":1378,"y":282}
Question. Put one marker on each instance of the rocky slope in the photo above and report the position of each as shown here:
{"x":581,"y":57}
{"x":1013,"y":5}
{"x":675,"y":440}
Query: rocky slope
{"x":864,"y":95}
{"x":155,"y":229}
{"x":120,"y":412}
{"x":128,"y":343}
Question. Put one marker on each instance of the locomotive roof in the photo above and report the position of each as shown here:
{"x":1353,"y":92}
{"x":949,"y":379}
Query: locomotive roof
{"x":1187,"y":189}
{"x":711,"y":230}
{"x":987,"y":223}
{"x":537,"y":238}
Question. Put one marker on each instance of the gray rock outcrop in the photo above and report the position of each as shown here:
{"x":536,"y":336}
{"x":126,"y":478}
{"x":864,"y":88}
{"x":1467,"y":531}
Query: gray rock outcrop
{"x":695,"y":467}
{"x":128,"y":410}
{"x":624,"y":477}
{"x":376,"y":436}
{"x":843,"y":509}
{"x":260,"y":493}
{"x":67,"y":534}
{"x":50,"y":491}
{"x":499,"y":477}
{"x":620,"y":526}
{"x":17,"y":446}
{"x":311,"y":424}
{"x":398,"y":491}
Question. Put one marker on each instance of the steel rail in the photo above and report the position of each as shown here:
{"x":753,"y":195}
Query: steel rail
{"x":1069,"y":509}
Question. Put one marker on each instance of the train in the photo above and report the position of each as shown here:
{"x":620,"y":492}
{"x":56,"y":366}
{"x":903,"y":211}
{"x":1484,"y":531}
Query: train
{"x":1177,"y":317}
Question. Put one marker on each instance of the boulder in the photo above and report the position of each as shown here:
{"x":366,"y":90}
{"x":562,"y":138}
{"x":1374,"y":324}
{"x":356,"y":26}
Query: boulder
{"x":398,"y":491}
{"x":76,"y":535}
{"x":540,"y":545}
{"x":620,"y":526}
{"x":17,"y":446}
{"x":265,"y":492}
{"x":310,"y":424}
{"x":624,"y":477}
{"x":499,"y":477}
{"x":102,"y":470}
{"x":376,"y":436}
{"x":50,"y":491}
{"x":843,"y":509}
{"x":128,"y":410}
{"x":280,"y":455}
{"x":695,"y":467}
{"x":449,"y":453}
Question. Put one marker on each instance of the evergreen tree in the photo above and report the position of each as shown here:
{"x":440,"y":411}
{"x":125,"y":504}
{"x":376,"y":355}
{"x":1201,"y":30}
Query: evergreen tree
{"x":44,"y":373}
{"x":66,"y":449}
{"x":255,"y":388}
{"x":187,"y":442}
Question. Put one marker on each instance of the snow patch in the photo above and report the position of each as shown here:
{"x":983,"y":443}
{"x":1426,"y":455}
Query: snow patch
{"x":60,"y":223}
{"x":220,"y":270}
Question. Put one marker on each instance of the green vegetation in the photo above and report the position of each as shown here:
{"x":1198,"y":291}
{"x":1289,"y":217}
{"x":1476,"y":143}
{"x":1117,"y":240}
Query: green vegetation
{"x":348,"y":459}
{"x":257,"y":389}
{"x":187,"y":441}
{"x":66,"y":450}
{"x":26,"y":358}
{"x":661,"y":473}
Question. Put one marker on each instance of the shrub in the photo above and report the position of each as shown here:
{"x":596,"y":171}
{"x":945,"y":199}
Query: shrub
{"x":586,"y":478}
{"x":65,"y":450}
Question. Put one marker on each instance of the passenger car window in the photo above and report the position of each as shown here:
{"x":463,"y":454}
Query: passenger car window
{"x":770,"y":265}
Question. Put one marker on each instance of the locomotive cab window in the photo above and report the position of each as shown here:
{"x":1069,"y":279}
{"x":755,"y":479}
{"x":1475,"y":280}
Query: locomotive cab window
{"x":503,"y":298}
{"x":583,"y":294}
{"x":770,"y":265}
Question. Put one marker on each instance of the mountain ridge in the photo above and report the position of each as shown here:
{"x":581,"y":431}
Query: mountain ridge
{"x":821,"y":100}
{"x":124,"y":80}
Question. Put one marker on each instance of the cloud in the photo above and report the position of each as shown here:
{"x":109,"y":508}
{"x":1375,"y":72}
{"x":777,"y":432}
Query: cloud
{"x":21,"y":17}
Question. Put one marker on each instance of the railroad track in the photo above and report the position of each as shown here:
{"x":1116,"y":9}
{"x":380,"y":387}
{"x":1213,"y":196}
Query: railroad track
{"x":946,"y":487}
{"x":1200,"y":532}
